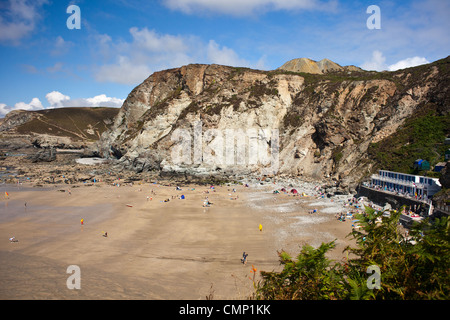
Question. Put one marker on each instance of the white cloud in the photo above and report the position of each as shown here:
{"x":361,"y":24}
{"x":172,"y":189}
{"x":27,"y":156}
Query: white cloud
{"x":149,"y":51}
{"x":18,"y":19}
{"x":57,"y":67}
{"x":123,"y":71}
{"x":4,"y":109}
{"x":378,"y":62}
{"x":35,"y":104}
{"x":56,"y":99}
{"x":151,"y":41}
{"x":61,"y":46}
{"x":224,"y":55}
{"x":407,"y":63}
{"x":99,"y":101}
{"x":29,"y":68}
{"x":247,"y":7}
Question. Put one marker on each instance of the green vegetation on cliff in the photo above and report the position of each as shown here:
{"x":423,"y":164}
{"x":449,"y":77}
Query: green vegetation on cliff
{"x":420,"y":137}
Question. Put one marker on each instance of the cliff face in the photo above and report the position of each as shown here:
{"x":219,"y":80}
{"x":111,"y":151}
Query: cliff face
{"x":321,"y":124}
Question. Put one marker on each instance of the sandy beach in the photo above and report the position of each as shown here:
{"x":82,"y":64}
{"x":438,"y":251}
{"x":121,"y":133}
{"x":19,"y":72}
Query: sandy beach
{"x":178,"y":249}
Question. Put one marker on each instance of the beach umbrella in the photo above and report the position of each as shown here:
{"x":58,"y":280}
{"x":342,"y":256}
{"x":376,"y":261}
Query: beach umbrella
{"x":294,"y":191}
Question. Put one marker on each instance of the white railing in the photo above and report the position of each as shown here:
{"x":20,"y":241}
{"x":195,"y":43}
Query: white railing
{"x":399,"y":181}
{"x":422,"y":196}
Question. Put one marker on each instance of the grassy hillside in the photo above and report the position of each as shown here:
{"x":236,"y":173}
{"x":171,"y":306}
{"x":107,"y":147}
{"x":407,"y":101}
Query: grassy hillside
{"x":76,"y":123}
{"x":420,"y":137}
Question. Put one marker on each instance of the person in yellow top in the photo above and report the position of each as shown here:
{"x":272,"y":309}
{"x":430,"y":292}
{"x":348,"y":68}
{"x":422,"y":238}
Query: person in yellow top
{"x":260,"y":227}
{"x":82,"y":220}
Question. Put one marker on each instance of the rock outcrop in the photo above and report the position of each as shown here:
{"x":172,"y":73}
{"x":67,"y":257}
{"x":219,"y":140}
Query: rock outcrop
{"x":16,"y":118}
{"x":321,"y":125}
{"x":44,"y":155}
{"x":316,"y":67}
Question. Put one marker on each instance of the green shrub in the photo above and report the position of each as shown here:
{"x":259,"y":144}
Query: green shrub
{"x":411,"y":267}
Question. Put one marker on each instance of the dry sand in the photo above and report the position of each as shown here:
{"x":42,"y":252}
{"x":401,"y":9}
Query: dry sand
{"x":154,"y":249}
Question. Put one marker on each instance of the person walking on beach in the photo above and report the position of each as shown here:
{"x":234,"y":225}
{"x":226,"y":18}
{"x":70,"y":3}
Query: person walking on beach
{"x":82,"y":221}
{"x":244,"y":258}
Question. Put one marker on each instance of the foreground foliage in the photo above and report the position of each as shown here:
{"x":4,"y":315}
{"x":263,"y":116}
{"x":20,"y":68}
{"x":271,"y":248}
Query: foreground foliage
{"x":413,"y":266}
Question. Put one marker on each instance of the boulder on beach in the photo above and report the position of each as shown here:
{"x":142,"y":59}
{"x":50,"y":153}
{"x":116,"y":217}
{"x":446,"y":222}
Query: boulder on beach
{"x":44,"y":155}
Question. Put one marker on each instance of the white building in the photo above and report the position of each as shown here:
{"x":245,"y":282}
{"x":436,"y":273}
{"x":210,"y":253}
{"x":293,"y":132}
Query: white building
{"x":423,"y":187}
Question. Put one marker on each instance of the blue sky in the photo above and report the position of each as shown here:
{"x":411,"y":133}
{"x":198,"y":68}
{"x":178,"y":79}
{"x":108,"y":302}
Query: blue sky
{"x":46,"y":65}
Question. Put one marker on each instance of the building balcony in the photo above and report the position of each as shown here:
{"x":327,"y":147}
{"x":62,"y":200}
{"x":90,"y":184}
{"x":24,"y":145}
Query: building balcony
{"x":398,"y":181}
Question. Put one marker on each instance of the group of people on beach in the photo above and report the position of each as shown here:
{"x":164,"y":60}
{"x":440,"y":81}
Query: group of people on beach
{"x":341,"y":216}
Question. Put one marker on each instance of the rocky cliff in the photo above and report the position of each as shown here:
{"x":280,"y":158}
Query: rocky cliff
{"x":321,"y":125}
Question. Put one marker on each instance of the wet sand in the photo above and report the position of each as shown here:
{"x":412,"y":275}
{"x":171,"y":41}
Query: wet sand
{"x":154,"y":249}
